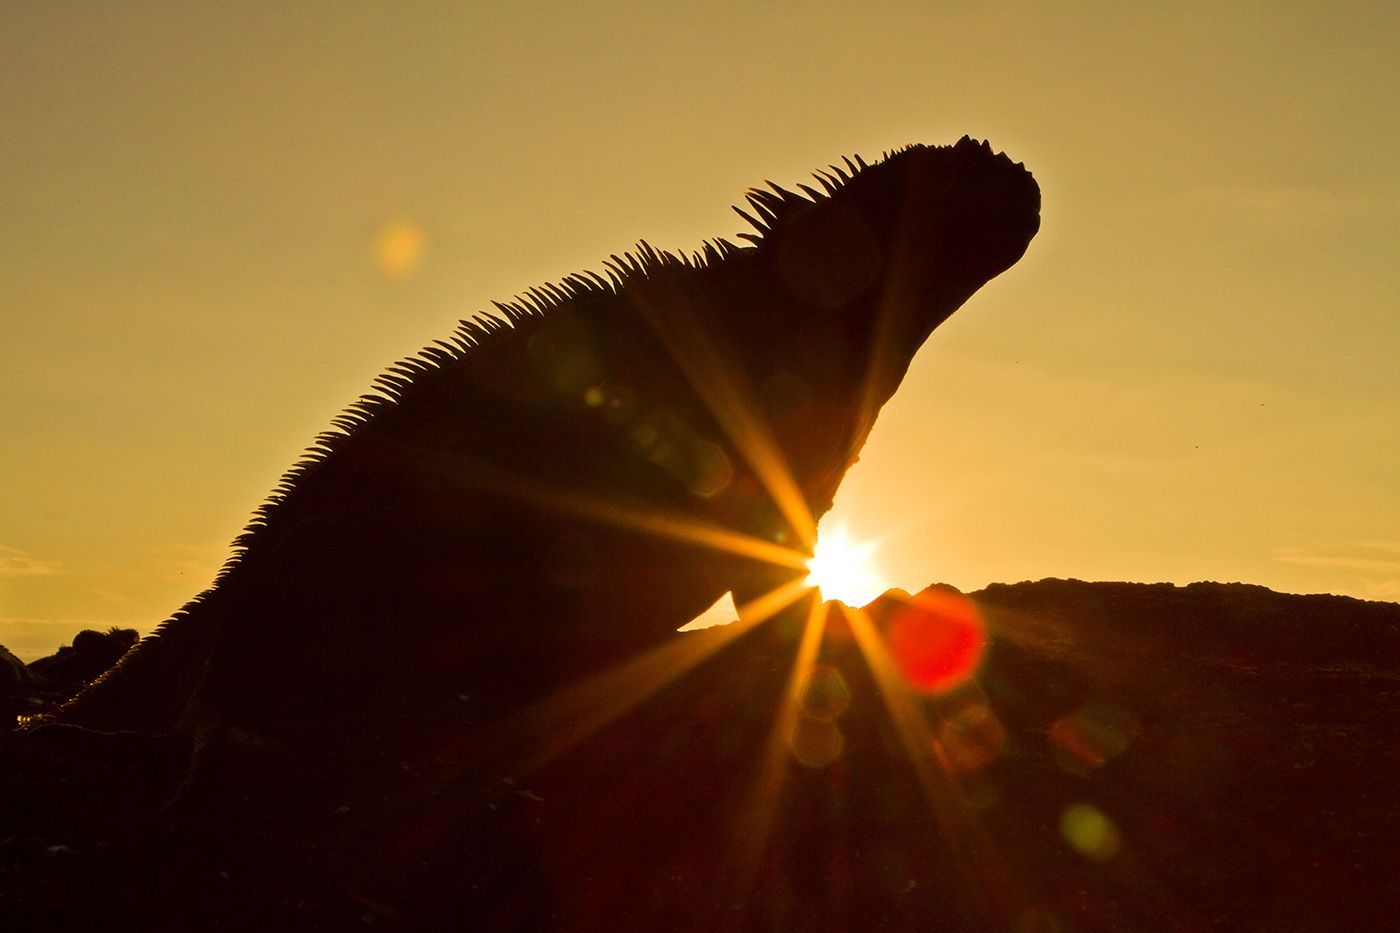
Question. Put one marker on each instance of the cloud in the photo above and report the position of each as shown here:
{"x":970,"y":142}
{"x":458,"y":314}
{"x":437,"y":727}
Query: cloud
{"x":1376,"y":562}
{"x":1370,"y":558}
{"x":116,"y":598}
{"x":16,"y":563}
{"x":1301,"y":203}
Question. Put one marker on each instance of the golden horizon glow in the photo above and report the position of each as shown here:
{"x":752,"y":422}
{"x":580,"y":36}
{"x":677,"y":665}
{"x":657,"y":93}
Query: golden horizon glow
{"x":844,"y":569}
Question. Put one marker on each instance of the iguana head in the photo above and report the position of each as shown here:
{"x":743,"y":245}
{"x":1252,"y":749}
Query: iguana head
{"x":863,"y":271}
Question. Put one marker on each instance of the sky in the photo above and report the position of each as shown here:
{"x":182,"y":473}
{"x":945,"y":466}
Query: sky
{"x":220,"y":221}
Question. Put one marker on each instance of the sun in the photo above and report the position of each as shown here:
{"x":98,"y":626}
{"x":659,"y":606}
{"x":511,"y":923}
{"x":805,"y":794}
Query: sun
{"x":844,"y":568}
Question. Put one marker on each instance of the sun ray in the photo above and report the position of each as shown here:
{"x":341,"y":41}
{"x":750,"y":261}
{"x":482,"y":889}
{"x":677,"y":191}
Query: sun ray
{"x":573,"y":714}
{"x":553,"y":725}
{"x":651,"y":521}
{"x":751,"y":835}
{"x":965,"y":836}
{"x":723,"y":391}
{"x":540,"y":733}
{"x":560,"y":722}
{"x":896,"y":301}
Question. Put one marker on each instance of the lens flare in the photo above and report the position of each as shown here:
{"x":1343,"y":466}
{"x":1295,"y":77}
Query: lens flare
{"x":1091,"y":736}
{"x":398,"y":247}
{"x":970,"y":739}
{"x":1090,"y":832}
{"x":937,"y":641}
{"x":844,"y":569}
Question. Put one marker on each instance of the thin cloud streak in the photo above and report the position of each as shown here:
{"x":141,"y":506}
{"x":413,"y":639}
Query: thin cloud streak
{"x":1296,"y":204}
{"x":1376,"y":563}
{"x":1367,"y":558}
{"x":17,"y":563}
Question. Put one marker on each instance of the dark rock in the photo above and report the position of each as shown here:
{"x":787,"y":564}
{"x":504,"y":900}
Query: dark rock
{"x":13,"y":670}
{"x":1126,"y":757}
{"x":89,"y":657}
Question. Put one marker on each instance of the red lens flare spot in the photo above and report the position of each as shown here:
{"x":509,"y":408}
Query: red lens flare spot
{"x":937,"y":640}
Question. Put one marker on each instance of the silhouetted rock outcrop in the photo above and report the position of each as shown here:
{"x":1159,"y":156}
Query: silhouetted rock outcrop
{"x":12,"y":669}
{"x":90,"y":655}
{"x":1123,"y":757}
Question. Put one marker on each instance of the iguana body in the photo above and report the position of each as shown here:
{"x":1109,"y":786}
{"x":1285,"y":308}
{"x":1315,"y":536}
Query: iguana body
{"x":534,"y":497}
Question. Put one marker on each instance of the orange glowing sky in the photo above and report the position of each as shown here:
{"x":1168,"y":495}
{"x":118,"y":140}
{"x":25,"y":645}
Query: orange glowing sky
{"x":221,"y":220}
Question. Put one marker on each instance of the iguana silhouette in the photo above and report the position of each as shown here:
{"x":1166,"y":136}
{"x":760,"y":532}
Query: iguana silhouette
{"x":554,"y":489}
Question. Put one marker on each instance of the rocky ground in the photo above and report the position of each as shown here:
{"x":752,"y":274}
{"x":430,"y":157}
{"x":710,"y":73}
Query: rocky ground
{"x":1126,"y":757}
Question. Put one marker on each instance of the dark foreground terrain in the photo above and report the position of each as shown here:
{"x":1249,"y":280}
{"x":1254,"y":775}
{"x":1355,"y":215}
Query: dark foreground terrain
{"x":1127,"y":757}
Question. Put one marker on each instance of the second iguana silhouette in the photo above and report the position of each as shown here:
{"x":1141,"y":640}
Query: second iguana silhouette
{"x":556,"y":488}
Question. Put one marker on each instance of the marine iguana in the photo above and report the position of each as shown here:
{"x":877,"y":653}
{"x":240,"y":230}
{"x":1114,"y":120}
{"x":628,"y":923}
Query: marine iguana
{"x":572,"y":481}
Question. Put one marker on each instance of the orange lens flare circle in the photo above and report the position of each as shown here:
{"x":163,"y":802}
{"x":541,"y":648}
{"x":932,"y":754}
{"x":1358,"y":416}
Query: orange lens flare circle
{"x":937,"y":641}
